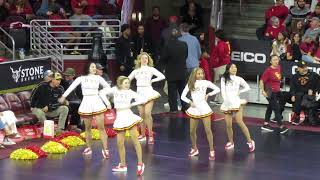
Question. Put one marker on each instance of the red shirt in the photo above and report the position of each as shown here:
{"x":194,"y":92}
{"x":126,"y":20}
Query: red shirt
{"x":273,"y":32}
{"x":271,"y":77}
{"x":26,"y":10}
{"x":206,"y":68}
{"x":280,"y":12}
{"x":307,"y":47}
{"x":220,"y":55}
{"x":59,"y":23}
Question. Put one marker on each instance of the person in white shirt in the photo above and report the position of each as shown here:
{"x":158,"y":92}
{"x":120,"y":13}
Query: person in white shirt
{"x":230,"y":90}
{"x":125,"y":120}
{"x":199,"y":108}
{"x":92,"y":106}
{"x":143,"y":74}
{"x":8,"y":125}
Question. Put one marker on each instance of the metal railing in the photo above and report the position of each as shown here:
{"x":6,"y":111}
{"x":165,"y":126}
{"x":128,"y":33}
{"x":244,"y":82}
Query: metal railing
{"x":13,"y":50}
{"x":217,"y":13}
{"x":76,"y":35}
{"x":44,"y":44}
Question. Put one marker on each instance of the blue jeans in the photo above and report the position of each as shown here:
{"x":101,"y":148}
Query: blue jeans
{"x":307,"y":58}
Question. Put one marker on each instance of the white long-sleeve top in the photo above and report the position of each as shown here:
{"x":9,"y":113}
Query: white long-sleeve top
{"x":89,"y":85}
{"x":144,"y":75}
{"x":122,"y":98}
{"x":199,"y":94}
{"x":232,"y":88}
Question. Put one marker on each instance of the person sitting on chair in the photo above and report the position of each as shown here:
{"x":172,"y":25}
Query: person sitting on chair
{"x":8,"y":126}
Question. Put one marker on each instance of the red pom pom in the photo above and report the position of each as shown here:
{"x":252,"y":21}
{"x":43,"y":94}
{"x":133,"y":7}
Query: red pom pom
{"x":38,"y":151}
{"x":67,"y":134}
{"x":111,"y":132}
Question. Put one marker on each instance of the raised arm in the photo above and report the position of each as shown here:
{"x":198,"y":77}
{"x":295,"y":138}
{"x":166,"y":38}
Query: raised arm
{"x":158,"y":74}
{"x":72,"y":87}
{"x":184,"y":95}
{"x":138,"y":99}
{"x":103,"y":95}
{"x":212,"y":86}
{"x":245,"y":86}
{"x":132,"y":75}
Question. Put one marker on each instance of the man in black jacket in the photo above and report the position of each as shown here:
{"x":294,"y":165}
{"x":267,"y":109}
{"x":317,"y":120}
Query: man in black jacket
{"x":302,"y":83}
{"x":44,"y":101}
{"x":173,"y":57}
{"x":124,"y":51}
{"x":74,"y":99}
{"x":140,"y":42}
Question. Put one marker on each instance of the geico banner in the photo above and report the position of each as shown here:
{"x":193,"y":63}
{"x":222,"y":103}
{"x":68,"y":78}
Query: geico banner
{"x":21,"y":75}
{"x":289,"y":68}
{"x":250,"y":56}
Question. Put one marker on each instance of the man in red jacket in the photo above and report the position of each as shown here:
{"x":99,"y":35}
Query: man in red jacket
{"x":220,"y":57}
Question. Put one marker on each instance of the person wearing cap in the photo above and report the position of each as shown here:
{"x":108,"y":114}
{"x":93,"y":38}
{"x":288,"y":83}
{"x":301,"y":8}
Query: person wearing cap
{"x":270,"y":88}
{"x":124,"y":51}
{"x":166,"y":33}
{"x":47,"y":76}
{"x":101,"y":73}
{"x":44,"y":101}
{"x":302,"y":83}
{"x":314,"y":31}
{"x":74,"y":99}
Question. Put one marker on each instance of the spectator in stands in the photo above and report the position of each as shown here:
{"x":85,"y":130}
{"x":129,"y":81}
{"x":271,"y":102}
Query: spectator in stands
{"x":44,"y":102}
{"x":316,"y":12}
{"x":185,"y":8}
{"x":219,"y":58}
{"x":299,"y":28}
{"x":314,"y":30}
{"x":47,"y":76}
{"x":166,"y":33}
{"x":307,"y":50}
{"x":274,"y":28}
{"x":21,"y":8}
{"x":101,"y":73}
{"x":64,"y":30}
{"x":294,"y":52}
{"x":82,"y":20}
{"x":74,"y":100}
{"x":270,"y":88}
{"x":47,"y":7}
{"x":4,"y":10}
{"x":279,"y":10}
{"x":193,"y":19}
{"x":124,"y":51}
{"x":89,"y":6}
{"x":280,"y":45}
{"x":141,"y":43}
{"x":299,"y":12}
{"x":302,"y":83}
{"x":173,"y":57}
{"x":316,"y":50}
{"x":154,"y":27}
{"x":194,"y":49}
{"x":8,"y":125}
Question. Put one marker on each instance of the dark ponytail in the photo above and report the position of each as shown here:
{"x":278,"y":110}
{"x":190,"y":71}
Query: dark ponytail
{"x":226,"y":74}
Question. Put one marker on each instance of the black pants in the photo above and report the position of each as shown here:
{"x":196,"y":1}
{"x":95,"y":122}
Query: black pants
{"x":173,"y":88}
{"x":274,"y":105}
{"x":297,"y":103}
{"x":73,"y":112}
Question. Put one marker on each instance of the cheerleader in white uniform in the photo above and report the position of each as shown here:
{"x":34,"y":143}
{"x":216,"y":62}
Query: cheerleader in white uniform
{"x":143,"y":74}
{"x":91,"y":105}
{"x":125,"y":119}
{"x":199,"y":108}
{"x":230,"y":90}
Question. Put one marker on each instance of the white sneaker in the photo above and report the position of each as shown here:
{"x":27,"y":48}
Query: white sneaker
{"x":8,"y":142}
{"x":120,"y":168}
{"x":166,"y":106}
{"x":229,"y":145}
{"x":179,"y":108}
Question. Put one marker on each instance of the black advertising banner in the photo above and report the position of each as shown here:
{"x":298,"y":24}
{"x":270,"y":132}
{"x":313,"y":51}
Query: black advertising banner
{"x":22,"y":75}
{"x":250,"y":56}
